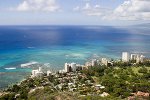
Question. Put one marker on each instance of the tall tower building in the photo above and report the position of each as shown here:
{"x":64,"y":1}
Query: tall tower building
{"x":134,"y":56}
{"x":73,"y":66}
{"x":94,"y":62}
{"x":104,"y":61}
{"x":142,"y":58}
{"x":125,"y":56}
{"x":68,"y":67}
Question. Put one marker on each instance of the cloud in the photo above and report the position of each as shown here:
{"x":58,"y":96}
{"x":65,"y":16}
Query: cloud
{"x":77,"y":8}
{"x":133,"y":10}
{"x":128,"y":10}
{"x":92,"y":10}
{"x":38,"y":5}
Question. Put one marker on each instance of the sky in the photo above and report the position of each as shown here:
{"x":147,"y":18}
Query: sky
{"x":74,"y":12}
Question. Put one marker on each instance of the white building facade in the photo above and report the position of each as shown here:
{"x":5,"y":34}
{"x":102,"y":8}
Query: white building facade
{"x":104,"y":61}
{"x":134,"y":56}
{"x":94,"y":62}
{"x":37,"y":73}
{"x":73,"y":67}
{"x":125,"y":57}
{"x":67,"y":67}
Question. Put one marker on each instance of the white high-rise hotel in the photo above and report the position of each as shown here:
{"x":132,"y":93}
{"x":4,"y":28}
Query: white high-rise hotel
{"x":37,"y":73}
{"x":70,"y":67}
{"x":125,"y":56}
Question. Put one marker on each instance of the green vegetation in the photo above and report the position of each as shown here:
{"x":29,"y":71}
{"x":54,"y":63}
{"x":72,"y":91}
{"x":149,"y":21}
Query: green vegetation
{"x":22,"y":89}
{"x":9,"y":96}
{"x":98,"y":98}
{"x":119,"y":81}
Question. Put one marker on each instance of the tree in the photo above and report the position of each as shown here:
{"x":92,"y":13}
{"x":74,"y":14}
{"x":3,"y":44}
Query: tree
{"x":15,"y":88}
{"x":146,"y":76}
{"x":143,"y":70}
{"x":23,"y":94}
{"x":10,"y":96}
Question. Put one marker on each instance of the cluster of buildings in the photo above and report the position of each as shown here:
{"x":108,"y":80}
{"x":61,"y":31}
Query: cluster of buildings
{"x":95,"y":62}
{"x":76,"y":81}
{"x":68,"y":67}
{"x":37,"y":72}
{"x":73,"y":82}
{"x":126,"y":57}
{"x":73,"y":67}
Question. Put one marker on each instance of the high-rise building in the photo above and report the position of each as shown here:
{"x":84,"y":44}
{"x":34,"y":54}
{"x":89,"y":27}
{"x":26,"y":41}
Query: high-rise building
{"x":94,"y":62}
{"x":134,"y":56}
{"x":125,"y":56}
{"x":140,"y":58}
{"x":67,"y":67}
{"x":137,"y":57}
{"x":73,"y":67}
{"x":37,"y":73}
{"x":104,"y":61}
{"x":87,"y":64}
{"x":40,"y":69}
{"x":49,"y":72}
{"x":34,"y":72}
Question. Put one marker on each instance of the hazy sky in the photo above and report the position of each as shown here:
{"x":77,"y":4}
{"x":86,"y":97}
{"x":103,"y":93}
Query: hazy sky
{"x":74,"y":12}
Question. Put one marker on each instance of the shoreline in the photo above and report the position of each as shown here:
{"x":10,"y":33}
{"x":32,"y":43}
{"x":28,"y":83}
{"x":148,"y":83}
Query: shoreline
{"x":15,"y":83}
{"x":37,"y":64}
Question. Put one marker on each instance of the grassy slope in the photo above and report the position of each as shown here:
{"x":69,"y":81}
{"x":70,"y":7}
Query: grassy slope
{"x":135,"y":69}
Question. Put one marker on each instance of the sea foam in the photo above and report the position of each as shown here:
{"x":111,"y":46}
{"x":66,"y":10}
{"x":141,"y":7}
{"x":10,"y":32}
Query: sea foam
{"x":28,"y":64}
{"x":11,"y":68}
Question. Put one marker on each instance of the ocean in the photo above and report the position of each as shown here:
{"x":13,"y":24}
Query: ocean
{"x":59,"y":44}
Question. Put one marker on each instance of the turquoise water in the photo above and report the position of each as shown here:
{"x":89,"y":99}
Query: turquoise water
{"x":59,"y":44}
